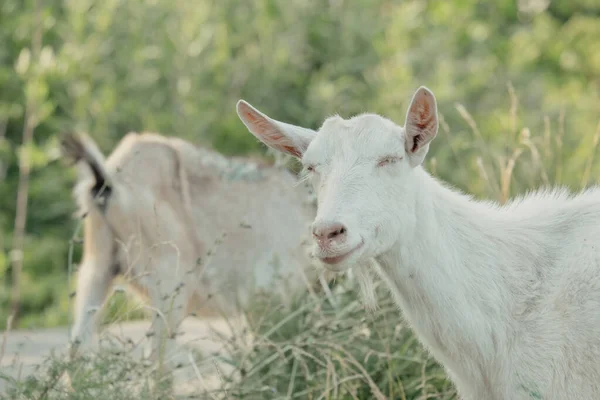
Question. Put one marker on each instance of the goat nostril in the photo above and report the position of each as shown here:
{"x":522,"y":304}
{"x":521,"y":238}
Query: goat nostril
{"x":328,"y":232}
{"x":337,"y":232}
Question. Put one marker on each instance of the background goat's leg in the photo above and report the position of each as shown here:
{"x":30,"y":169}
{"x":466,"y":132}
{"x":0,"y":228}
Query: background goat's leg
{"x":93,"y":281}
{"x":92,"y":285}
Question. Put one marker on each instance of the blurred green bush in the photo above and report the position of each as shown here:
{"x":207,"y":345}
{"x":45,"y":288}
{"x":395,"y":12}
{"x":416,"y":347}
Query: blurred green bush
{"x":178,"y":67}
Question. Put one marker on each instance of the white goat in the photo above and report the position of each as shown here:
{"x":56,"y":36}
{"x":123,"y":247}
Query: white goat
{"x":156,"y":213}
{"x":506,"y":298}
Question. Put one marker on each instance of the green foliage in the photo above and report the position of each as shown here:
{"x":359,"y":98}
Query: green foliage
{"x":178,"y":67}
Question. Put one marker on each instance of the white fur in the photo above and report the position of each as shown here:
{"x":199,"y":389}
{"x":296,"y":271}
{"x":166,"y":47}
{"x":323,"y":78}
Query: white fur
{"x":192,"y":230}
{"x":506,"y":298}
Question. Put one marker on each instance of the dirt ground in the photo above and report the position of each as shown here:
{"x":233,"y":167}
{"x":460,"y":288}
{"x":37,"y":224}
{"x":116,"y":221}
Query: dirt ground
{"x":23,"y":350}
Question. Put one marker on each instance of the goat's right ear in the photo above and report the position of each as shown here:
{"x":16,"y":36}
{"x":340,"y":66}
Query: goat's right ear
{"x":287,"y":138}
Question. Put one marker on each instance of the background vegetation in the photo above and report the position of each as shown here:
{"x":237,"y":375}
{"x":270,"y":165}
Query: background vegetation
{"x":517,"y":83}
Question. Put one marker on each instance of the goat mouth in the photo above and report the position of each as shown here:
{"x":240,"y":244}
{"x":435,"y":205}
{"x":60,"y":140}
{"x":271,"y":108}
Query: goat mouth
{"x":341,"y":257}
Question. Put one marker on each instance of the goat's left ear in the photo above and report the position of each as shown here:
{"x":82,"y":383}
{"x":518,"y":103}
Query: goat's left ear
{"x":421,"y":125}
{"x":287,"y":138}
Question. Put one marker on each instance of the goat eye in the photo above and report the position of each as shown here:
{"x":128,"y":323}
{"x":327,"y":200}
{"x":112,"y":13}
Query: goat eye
{"x":310,"y":168}
{"x":388,"y":160}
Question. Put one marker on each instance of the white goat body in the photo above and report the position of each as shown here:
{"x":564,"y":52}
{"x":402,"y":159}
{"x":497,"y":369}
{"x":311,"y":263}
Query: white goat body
{"x":506,"y":298}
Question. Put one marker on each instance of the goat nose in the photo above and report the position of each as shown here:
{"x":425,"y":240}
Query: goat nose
{"x":329,"y":230}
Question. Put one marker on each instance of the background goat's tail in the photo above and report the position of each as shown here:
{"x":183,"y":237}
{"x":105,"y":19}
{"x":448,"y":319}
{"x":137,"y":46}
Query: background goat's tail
{"x":81,"y":148}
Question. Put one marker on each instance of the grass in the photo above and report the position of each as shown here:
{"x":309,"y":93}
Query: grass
{"x":306,"y":350}
{"x":317,"y":351}
{"x":104,"y":376}
{"x":101,"y":375}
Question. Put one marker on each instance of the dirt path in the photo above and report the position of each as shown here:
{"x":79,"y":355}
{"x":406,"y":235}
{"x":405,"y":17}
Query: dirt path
{"x":26,"y":349}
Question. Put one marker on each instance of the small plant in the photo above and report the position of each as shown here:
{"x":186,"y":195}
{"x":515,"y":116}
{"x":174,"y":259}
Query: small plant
{"x":102,"y":375}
